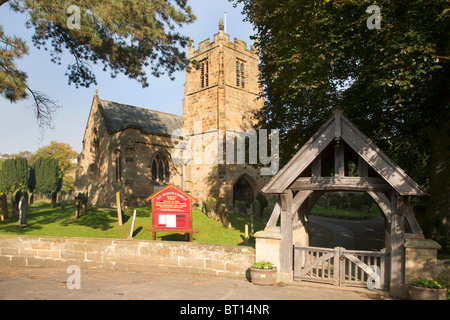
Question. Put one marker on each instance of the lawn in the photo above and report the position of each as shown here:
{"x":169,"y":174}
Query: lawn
{"x":102,"y":223}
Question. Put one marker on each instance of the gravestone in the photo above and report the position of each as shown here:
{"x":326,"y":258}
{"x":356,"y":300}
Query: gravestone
{"x":267,"y":212}
{"x":84,"y":201}
{"x":23,"y":206}
{"x":4,"y":208}
{"x":53,"y":195}
{"x":77,"y":206}
{"x":216,"y":210}
{"x":256,"y":210}
{"x":15,"y":203}
{"x":242,"y":208}
{"x":61,"y":199}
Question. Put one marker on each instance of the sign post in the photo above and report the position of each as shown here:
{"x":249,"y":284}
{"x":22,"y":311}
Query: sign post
{"x":171,"y":211}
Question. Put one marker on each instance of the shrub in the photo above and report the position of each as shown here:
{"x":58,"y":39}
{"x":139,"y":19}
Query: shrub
{"x":426,"y":283}
{"x":263,"y":265}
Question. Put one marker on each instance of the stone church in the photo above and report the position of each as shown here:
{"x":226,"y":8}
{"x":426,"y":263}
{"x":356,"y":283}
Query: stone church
{"x":130,"y":150}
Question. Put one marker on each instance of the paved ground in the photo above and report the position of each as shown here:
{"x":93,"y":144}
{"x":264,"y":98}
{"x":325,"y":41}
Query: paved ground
{"x":50,"y":283}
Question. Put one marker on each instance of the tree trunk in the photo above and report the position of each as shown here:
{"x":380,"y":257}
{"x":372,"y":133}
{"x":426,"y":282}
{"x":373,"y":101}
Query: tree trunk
{"x":437,"y":221}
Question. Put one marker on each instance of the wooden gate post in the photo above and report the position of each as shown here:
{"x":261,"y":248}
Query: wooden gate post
{"x":396,"y":286}
{"x":287,"y":249}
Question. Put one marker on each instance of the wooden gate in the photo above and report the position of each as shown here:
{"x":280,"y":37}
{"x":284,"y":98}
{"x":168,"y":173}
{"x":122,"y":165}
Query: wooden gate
{"x":339,"y":266}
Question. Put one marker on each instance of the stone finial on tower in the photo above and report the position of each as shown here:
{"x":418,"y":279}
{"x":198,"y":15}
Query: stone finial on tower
{"x":221,"y":25}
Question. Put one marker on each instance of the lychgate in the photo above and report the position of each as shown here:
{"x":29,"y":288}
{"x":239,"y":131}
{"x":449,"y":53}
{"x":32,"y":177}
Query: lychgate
{"x":322,"y":165}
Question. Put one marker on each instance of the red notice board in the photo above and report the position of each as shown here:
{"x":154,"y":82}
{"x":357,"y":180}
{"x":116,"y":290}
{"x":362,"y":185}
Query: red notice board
{"x":171,"y":210}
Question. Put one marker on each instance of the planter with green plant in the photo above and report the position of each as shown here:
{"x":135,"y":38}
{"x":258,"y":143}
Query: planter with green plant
{"x":426,"y":289}
{"x":263,"y":273}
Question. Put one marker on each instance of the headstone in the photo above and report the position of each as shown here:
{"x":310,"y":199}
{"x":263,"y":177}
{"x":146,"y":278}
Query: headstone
{"x":209,"y":207}
{"x":267,"y":212}
{"x":15,"y":201}
{"x":77,"y":206}
{"x":216,"y":210}
{"x":61,"y":199}
{"x":84,"y":201}
{"x":53,"y":205}
{"x":23,"y":206}
{"x":256,"y":210}
{"x":242,"y":208}
{"x":4,"y":208}
{"x":226,"y":221}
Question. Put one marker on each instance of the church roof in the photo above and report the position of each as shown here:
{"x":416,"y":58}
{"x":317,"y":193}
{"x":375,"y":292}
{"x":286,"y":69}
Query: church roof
{"x":119,"y":117}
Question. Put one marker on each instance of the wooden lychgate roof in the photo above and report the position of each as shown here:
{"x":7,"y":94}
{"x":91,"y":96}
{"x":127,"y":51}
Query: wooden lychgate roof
{"x":338,"y":140}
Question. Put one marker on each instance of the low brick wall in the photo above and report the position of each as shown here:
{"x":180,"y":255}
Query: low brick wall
{"x":126,"y":255}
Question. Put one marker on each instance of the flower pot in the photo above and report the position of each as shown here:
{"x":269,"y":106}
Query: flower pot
{"x":420,"y":293}
{"x":263,"y":277}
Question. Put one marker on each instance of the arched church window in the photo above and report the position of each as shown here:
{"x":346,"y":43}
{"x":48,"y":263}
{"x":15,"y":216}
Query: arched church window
{"x":118,"y":164}
{"x":161,"y":167}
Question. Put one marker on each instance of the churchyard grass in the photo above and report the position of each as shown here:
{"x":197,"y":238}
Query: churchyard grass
{"x":102,"y":223}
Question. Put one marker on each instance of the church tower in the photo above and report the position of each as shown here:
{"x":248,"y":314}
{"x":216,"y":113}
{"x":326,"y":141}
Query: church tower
{"x":221,"y":95}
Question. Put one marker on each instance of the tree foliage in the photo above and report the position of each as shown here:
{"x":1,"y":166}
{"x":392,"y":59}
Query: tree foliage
{"x":127,"y":37}
{"x":392,"y":82}
{"x":14,"y":176}
{"x":60,"y":151}
{"x":65,"y":155}
{"x":124,"y":36}
{"x":48,"y":175}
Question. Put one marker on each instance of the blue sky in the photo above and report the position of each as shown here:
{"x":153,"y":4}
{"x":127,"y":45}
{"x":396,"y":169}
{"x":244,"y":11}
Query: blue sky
{"x":18,"y":128}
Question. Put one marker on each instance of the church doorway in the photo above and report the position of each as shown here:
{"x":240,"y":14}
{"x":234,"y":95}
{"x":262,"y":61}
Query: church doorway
{"x":243,"y":191}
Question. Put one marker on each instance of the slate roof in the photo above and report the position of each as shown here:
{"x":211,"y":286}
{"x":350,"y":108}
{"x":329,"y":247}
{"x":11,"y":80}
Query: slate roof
{"x":119,"y":117}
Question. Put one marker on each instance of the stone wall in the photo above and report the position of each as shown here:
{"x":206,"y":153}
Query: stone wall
{"x":126,"y":255}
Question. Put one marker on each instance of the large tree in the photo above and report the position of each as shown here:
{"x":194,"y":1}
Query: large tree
{"x":392,"y":81}
{"x":123,"y":36}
